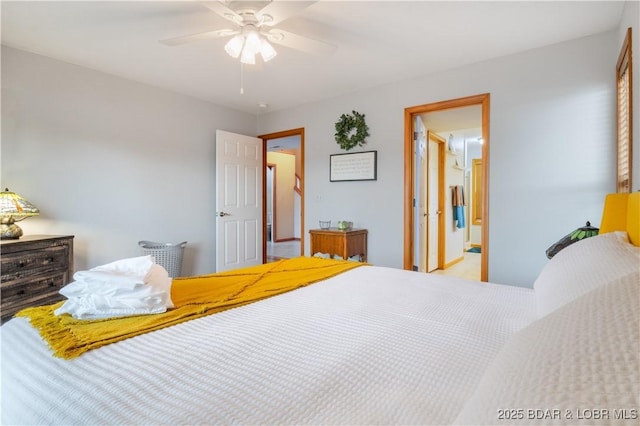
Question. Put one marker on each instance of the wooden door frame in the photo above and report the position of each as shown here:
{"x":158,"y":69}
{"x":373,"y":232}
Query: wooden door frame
{"x":409,"y":113}
{"x":265,"y":138}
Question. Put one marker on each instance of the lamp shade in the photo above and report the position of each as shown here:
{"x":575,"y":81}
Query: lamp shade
{"x":234,"y":46}
{"x":13,"y":208}
{"x":267,"y":51}
{"x":252,"y":43}
{"x":247,"y":57}
{"x":575,"y":236}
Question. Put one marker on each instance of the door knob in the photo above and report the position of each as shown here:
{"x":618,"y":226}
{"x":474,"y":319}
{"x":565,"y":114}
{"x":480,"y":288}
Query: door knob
{"x":222,"y":214}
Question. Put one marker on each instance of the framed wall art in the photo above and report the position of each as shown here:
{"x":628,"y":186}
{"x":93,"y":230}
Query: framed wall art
{"x":353,"y":166}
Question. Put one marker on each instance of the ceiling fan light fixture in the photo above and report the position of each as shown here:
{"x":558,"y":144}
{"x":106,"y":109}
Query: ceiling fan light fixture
{"x":267,"y":51}
{"x":247,"y":57}
{"x":252,"y":43}
{"x":234,"y":46}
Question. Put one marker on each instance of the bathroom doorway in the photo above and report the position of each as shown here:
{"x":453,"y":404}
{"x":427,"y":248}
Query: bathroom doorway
{"x":464,"y":125}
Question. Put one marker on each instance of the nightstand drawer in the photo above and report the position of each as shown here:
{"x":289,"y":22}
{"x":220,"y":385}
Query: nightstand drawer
{"x":19,"y":265}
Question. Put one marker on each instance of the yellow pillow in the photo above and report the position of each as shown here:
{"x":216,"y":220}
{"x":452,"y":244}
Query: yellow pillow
{"x":622,"y":213}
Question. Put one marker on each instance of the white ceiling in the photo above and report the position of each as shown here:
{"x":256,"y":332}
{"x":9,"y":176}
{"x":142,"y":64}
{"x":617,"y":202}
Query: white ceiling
{"x":378,"y":42}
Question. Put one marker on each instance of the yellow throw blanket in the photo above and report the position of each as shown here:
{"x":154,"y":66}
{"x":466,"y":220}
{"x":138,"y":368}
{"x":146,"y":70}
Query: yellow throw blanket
{"x":192,"y":297}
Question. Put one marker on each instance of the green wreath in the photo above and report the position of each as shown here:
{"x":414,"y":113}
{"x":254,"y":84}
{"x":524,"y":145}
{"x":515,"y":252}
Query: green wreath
{"x":351,"y":130}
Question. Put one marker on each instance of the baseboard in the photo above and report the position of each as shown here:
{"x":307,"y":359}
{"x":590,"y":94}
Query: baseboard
{"x":453,"y":262}
{"x":284,"y":240}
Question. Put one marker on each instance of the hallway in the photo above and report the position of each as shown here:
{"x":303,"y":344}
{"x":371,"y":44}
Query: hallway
{"x":469,"y":268}
{"x":283,"y":250}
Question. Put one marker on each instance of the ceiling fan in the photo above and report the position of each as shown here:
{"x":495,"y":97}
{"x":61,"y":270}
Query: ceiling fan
{"x":254,"y":27}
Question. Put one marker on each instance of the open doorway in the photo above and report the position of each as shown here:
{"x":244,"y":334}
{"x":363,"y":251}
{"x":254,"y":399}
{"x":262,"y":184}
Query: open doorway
{"x":455,"y":220}
{"x":283,"y":204}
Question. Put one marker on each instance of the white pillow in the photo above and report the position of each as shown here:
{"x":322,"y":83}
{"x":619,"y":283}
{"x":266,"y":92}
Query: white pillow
{"x":583,"y":266}
{"x":579,"y":361}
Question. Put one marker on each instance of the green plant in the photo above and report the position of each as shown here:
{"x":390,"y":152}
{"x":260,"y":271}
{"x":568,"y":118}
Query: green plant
{"x":351,"y":130}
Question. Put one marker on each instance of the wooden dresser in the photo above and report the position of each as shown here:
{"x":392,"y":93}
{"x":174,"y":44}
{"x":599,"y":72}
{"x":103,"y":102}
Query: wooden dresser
{"x":34,"y":268}
{"x":343,"y":243}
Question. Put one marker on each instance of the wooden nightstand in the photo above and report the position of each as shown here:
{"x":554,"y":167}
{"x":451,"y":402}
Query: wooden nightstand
{"x":343,"y":243}
{"x":34,"y":268}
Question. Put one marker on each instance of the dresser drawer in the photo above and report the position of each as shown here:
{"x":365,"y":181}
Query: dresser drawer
{"x":31,"y":291}
{"x":32,"y":288}
{"x":20,"y":265}
{"x":34,"y":268}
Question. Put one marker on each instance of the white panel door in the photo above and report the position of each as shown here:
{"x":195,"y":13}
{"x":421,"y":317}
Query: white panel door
{"x":422,"y":202}
{"x":238,"y":201}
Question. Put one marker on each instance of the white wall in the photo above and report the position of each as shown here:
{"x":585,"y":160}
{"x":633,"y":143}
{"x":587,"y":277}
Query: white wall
{"x":111,"y":161}
{"x":551,"y":151}
{"x":454,"y":236}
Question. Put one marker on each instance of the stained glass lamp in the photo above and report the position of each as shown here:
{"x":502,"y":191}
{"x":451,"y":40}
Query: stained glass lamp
{"x":577,"y":235}
{"x":13,"y":208}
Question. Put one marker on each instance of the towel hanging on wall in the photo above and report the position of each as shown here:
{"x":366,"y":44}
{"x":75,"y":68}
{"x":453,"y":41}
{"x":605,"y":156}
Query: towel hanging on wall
{"x":458,"y":195}
{"x":458,"y":202}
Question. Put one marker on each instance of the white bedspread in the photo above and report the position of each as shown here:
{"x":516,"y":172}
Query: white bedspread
{"x":370,"y":346}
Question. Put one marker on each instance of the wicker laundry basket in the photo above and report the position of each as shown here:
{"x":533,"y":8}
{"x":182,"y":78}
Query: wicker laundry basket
{"x":167,"y":255}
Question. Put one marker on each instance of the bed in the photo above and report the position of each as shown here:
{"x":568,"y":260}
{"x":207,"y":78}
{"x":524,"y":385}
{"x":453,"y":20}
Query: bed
{"x":371,"y":345}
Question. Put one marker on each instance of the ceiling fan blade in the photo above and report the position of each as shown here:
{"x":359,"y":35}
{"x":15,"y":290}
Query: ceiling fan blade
{"x":199,"y":36}
{"x":281,"y":10}
{"x":298,"y":42}
{"x":222,"y":10}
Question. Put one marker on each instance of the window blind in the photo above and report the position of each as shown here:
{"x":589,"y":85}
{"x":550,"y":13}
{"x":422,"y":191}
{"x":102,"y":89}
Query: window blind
{"x":624,"y":143}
